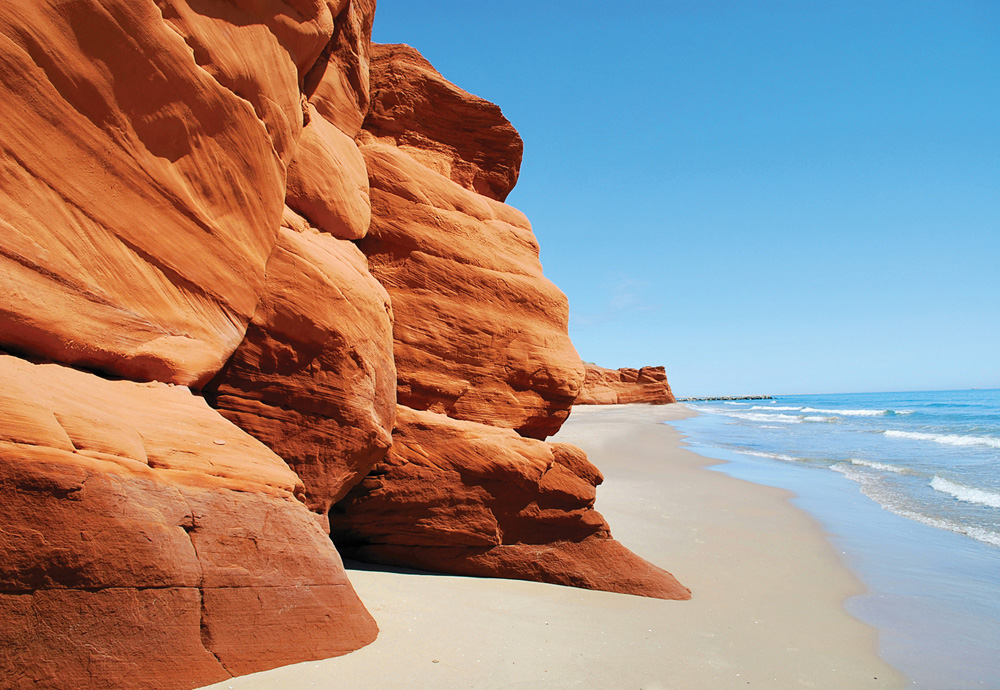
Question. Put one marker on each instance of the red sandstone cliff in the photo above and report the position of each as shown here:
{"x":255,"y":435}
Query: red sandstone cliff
{"x":480,"y":333}
{"x":483,"y":359}
{"x":229,"y":313}
{"x":619,"y":386}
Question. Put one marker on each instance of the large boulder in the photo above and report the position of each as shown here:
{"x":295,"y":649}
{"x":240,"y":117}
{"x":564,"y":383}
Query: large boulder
{"x":150,"y":543}
{"x":472,"y":499}
{"x":328,"y":182}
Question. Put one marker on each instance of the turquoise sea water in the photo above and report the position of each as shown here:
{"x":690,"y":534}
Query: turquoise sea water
{"x":908,"y":487}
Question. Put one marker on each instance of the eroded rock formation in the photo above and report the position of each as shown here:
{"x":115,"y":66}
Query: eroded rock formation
{"x":141,"y":192}
{"x":480,"y":333}
{"x":147,"y":541}
{"x":474,"y":499}
{"x":484,"y":363}
{"x":150,"y":543}
{"x":232,"y":234}
{"x":314,"y":377}
{"x":620,"y":386}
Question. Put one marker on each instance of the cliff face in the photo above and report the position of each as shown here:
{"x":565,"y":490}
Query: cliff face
{"x":620,"y":386}
{"x":483,"y":360}
{"x":255,"y":274}
{"x":147,"y":541}
{"x":480,"y":333}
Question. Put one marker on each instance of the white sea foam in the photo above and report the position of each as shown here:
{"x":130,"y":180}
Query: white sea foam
{"x":978,"y":533}
{"x":872,"y":486}
{"x":778,"y":417}
{"x":881,"y":466}
{"x":762,"y":417}
{"x":966,"y":493}
{"x":852,"y":473}
{"x":770,"y":456}
{"x":857,"y":413}
{"x":776,"y":407}
{"x":946,"y":439}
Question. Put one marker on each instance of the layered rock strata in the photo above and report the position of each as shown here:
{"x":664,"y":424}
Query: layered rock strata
{"x":484,"y":363}
{"x":148,"y":542}
{"x":142,"y":189}
{"x":480,"y":334}
{"x":620,"y":386}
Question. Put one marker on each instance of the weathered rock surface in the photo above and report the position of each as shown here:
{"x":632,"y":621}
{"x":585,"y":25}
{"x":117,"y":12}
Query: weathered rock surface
{"x":484,"y":363}
{"x":620,"y":386}
{"x":142,"y":190}
{"x":472,"y":499}
{"x":461,"y":136}
{"x":480,"y":334}
{"x":338,"y":84}
{"x":328,"y":182}
{"x":187,"y":196}
{"x":314,"y":377}
{"x":149,"y":543}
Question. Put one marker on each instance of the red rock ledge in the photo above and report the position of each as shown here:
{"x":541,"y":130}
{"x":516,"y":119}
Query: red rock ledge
{"x":619,"y":386}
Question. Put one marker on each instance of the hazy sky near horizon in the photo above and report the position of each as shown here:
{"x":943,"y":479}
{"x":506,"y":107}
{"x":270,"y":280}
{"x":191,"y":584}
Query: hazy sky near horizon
{"x":797,"y":196}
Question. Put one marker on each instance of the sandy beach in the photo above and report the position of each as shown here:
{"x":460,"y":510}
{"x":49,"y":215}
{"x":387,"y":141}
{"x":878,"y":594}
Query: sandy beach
{"x":767,"y":608}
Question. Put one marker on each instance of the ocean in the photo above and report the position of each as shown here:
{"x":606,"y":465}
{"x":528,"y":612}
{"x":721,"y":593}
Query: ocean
{"x":907,"y":485}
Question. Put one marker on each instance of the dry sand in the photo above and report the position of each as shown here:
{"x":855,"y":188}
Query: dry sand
{"x":766,"y":611}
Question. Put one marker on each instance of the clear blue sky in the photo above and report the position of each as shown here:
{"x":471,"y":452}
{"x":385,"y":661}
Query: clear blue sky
{"x":797,"y":196}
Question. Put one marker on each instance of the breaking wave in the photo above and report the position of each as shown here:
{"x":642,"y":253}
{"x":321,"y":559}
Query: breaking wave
{"x":946,"y":439}
{"x":762,"y":417}
{"x":966,"y":493}
{"x":872,"y":487}
{"x":769,"y":456}
{"x":859,"y":413}
{"x":882,"y":467}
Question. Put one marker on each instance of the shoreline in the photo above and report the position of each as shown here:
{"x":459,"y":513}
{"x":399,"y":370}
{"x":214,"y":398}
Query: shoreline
{"x":767,"y":609}
{"x":932,"y":592}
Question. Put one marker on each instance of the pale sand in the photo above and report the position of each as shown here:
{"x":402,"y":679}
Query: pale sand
{"x":766,"y":610}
